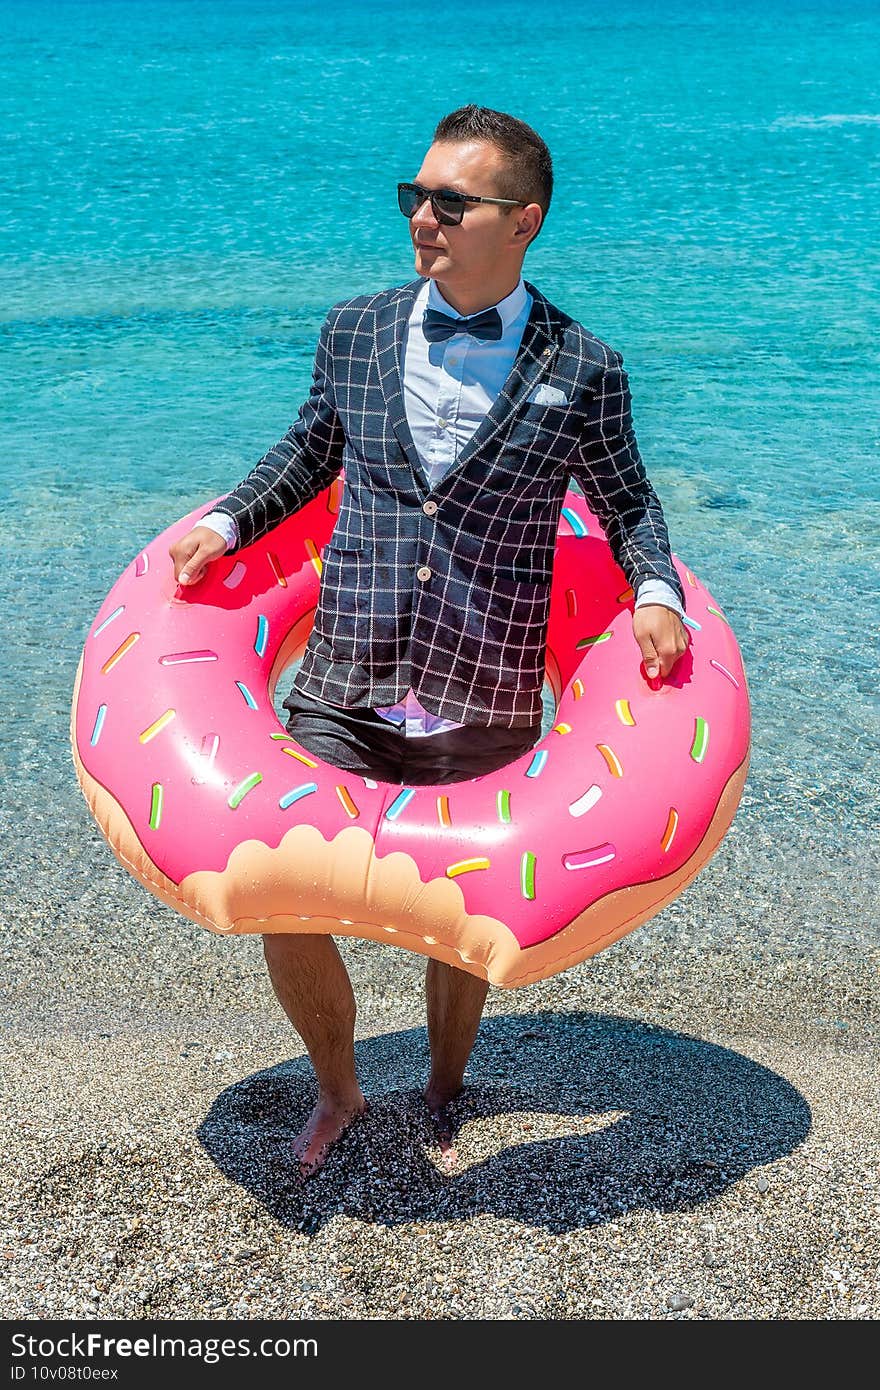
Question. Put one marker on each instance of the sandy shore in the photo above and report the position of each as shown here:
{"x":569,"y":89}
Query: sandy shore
{"x":683,"y":1127}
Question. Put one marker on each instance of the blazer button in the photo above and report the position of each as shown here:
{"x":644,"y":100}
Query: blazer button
{"x":424,"y":574}
{"x":429,"y":508}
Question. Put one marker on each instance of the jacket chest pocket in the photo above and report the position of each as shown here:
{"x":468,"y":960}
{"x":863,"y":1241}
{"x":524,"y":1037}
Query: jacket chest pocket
{"x":547,"y":430}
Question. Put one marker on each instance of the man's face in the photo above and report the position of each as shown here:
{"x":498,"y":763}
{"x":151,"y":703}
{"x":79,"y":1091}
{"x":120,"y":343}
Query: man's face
{"x":473,"y":252}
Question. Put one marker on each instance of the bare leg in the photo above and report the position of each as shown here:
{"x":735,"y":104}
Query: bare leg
{"x":313,"y":988}
{"x":455,"y":1002}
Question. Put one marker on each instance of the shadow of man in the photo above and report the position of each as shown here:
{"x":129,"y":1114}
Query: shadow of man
{"x":567,"y":1120}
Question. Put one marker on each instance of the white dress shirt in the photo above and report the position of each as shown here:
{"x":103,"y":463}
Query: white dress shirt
{"x":448,"y":388}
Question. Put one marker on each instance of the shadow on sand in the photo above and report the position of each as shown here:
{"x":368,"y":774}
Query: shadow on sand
{"x":568,"y":1120}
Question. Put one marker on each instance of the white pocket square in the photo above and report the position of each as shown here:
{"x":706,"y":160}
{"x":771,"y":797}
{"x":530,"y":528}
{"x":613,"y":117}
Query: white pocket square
{"x":548,"y":395}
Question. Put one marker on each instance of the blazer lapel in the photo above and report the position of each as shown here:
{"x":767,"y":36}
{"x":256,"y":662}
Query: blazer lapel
{"x":536,"y":354}
{"x":390,"y":330}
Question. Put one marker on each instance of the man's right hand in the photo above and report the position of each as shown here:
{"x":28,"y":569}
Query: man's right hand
{"x":194,"y":552}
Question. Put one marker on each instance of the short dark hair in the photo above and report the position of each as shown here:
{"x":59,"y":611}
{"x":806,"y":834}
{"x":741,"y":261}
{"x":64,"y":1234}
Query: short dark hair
{"x":528,"y":172}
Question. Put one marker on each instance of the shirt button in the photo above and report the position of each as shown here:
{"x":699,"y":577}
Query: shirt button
{"x":441,"y":422}
{"x":429,"y":508}
{"x":423,"y":574}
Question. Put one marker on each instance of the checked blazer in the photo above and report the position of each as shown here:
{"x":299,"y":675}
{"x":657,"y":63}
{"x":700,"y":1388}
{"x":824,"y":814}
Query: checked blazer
{"x":447,"y":589}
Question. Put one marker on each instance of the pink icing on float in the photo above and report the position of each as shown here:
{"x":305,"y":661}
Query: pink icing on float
{"x":515,"y":875}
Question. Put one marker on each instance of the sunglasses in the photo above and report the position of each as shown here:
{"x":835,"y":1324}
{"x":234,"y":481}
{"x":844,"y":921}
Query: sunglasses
{"x":447,"y":204}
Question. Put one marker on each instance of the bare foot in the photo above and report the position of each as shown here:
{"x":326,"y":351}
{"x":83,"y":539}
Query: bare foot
{"x":443,"y":1124}
{"x":327,"y":1123}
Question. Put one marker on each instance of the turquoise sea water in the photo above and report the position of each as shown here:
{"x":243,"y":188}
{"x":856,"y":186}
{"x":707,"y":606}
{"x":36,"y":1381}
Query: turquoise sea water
{"x":187,"y":185}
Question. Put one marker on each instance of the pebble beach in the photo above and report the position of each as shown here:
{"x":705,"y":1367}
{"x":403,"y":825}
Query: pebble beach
{"x":677,"y":1128}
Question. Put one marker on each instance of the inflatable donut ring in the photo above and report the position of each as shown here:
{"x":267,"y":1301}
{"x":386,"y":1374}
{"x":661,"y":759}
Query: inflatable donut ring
{"x":514,"y":876}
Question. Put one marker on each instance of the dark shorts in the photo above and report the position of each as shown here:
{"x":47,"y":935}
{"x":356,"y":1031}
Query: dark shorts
{"x":359,"y":740}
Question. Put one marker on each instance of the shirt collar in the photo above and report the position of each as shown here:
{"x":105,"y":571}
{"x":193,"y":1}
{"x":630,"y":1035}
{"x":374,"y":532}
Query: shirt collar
{"x":510,"y":307}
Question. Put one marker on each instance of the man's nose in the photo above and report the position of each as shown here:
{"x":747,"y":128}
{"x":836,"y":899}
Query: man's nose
{"x":424,"y":216}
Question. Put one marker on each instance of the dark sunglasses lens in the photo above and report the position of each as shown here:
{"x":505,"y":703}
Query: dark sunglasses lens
{"x":448,"y":207}
{"x":409,"y":199}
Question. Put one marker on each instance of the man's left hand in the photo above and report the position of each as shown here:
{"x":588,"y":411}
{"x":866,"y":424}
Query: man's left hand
{"x":661,"y":636}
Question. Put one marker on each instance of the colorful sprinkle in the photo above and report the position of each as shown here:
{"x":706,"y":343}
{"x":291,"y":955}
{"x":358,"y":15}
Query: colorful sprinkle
{"x":586,"y":802}
{"x":690,"y":579}
{"x":624,"y":713}
{"x":626,"y":595}
{"x":611,"y":759}
{"x":156,"y":802}
{"x":120,"y":652}
{"x":275,"y":565}
{"x":571,"y":600}
{"x":297,"y":794}
{"x":574,"y":521}
{"x":538,"y":763}
{"x":724,"y":671}
{"x":502,"y":806}
{"x":242,"y":790}
{"x":443,"y":816}
{"x":248,"y":697}
{"x":562,"y":728}
{"x":527,"y":875}
{"x":183,"y":658}
{"x":370,"y":784}
{"x":577,"y":689}
{"x":589,"y":858}
{"x":157,"y":726}
{"x":99,"y":724}
{"x":347,"y":803}
{"x":207,"y":754}
{"x":692,"y":622}
{"x":334,"y":493}
{"x":235,"y":575}
{"x":716,"y":613}
{"x":671,"y":827}
{"x":312,"y":552}
{"x":142,"y":564}
{"x":466,"y":866}
{"x":701,"y":739}
{"x":400,"y":803}
{"x":107,"y":621}
{"x":262,"y":635}
{"x":300,"y":757}
{"x":279,"y":734}
{"x":593,"y":641}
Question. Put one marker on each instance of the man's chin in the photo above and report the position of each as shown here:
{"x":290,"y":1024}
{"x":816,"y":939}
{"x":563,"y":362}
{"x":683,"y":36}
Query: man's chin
{"x":429,"y":263}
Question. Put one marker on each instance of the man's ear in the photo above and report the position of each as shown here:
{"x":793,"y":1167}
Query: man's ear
{"x":528,"y":223}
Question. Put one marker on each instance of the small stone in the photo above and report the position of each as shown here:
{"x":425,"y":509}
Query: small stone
{"x":762,"y":1184}
{"x":679,"y":1301}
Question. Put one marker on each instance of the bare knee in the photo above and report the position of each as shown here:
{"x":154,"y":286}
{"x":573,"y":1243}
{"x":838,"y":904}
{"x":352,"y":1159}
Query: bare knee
{"x":279,"y":947}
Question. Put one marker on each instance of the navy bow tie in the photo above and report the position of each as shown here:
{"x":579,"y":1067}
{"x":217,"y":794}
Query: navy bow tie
{"x":438,"y":327}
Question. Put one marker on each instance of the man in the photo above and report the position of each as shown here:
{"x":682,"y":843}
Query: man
{"x":458,"y":405}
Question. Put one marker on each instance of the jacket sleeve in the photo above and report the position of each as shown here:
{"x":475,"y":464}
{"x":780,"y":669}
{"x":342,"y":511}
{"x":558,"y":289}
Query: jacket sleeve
{"x":613,"y":478}
{"x":299,"y":466}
